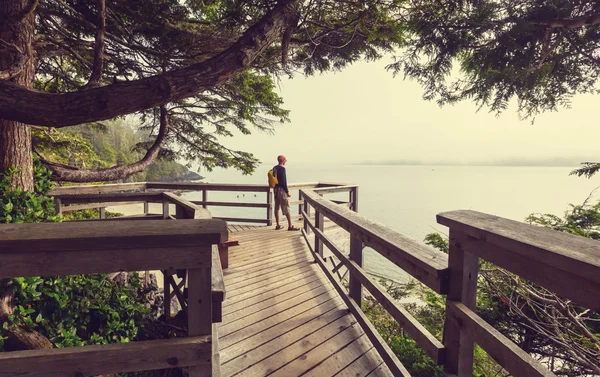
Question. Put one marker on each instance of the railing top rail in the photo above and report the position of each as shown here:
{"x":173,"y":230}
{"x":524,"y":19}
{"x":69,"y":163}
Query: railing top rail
{"x":424,"y":263}
{"x":93,"y":235}
{"x":574,"y":254}
{"x":333,"y":189}
{"x":208,"y":186}
{"x":97,"y":189}
{"x":109,"y":197}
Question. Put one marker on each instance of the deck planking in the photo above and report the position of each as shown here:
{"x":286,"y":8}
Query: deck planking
{"x":282,"y":316}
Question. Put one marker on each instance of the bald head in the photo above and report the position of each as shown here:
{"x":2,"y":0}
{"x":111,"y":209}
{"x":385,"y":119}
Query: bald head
{"x":281,"y":159}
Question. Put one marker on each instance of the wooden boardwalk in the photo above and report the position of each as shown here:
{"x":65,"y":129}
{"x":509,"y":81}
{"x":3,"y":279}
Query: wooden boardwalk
{"x":282,"y":317}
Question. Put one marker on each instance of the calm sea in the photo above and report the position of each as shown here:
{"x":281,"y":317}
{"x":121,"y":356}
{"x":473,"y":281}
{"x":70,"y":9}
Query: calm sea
{"x":407,"y":198}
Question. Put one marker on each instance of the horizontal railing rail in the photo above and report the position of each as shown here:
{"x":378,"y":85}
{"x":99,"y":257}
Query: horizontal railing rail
{"x":566,"y":264}
{"x":74,"y":198}
{"x":427,"y":265}
{"x":86,"y":247}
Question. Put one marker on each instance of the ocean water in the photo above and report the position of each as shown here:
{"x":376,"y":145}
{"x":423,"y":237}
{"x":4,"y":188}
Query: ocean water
{"x":407,"y":198}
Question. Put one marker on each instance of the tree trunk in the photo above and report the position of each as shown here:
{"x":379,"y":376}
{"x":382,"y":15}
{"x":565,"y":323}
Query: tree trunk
{"x":17,"y":65}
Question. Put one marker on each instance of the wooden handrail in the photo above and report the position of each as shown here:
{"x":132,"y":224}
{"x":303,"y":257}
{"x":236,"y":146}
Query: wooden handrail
{"x":425,"y":264}
{"x":428,"y":342}
{"x":101,"y":247}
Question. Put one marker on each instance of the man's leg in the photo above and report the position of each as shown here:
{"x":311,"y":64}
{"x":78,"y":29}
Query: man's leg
{"x":289,"y":219}
{"x":277,"y":218}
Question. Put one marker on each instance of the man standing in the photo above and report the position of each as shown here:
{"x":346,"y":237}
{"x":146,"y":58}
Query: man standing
{"x":282,"y":194}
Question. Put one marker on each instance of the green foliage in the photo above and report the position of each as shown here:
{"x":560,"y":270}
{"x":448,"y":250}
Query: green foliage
{"x":436,"y":241}
{"x":506,"y":52}
{"x":77,"y":310}
{"x":149,"y":37}
{"x":69,"y":310}
{"x":582,"y":220}
{"x":17,"y":206}
{"x":587,"y":170}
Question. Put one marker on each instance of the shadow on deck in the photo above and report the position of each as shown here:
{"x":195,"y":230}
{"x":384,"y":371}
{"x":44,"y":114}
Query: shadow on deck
{"x":282,"y":316}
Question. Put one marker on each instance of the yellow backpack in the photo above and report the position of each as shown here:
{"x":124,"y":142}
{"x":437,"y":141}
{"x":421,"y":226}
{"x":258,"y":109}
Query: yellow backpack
{"x":272,"y":175}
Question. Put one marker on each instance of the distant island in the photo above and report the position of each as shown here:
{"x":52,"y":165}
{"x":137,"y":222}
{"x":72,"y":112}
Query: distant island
{"x":549,"y":162}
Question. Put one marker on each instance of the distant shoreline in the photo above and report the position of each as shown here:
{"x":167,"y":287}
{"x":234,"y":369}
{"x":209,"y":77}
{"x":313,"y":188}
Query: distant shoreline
{"x":491,"y":164}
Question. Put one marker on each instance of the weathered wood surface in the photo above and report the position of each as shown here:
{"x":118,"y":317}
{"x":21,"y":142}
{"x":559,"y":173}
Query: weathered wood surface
{"x":207,"y":186}
{"x":424,"y":263}
{"x":243,"y":220}
{"x":97,"y":189}
{"x":108,"y":198}
{"x":505,"y":352}
{"x":428,"y":342}
{"x":334,"y":189}
{"x":86,"y":235}
{"x":230,"y":204}
{"x":577,"y":255}
{"x":110,"y":358}
{"x":283,"y":317}
{"x":218,"y":285}
{"x":560,"y":262}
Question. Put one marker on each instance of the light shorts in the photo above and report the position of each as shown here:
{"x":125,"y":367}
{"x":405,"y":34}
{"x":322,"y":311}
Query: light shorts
{"x":281,"y":201}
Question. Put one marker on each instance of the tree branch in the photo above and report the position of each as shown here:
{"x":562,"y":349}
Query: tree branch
{"x":67,"y":109}
{"x":98,"y":47}
{"x":570,"y":23}
{"x":70,"y":174}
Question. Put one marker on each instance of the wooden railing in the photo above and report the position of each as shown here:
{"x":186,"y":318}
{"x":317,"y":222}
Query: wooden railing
{"x":563,"y":263}
{"x":86,"y":247}
{"x":73,"y":198}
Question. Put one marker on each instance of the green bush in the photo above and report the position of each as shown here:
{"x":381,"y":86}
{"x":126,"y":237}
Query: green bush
{"x":69,"y":310}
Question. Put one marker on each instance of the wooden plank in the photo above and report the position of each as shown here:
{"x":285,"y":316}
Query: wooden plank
{"x":79,"y":207}
{"x":298,"y":294}
{"x":242,"y":220}
{"x":283,"y":305}
{"x":188,"y":207}
{"x":207,"y":186}
{"x":69,"y":262}
{"x":251,"y":298}
{"x":294,"y":359}
{"x":424,"y":263}
{"x":84,"y":235}
{"x":418,"y":332}
{"x":317,"y":355}
{"x":125,"y":197}
{"x":362,"y":366}
{"x":332,"y":190}
{"x":574,"y":254}
{"x":259,"y":271}
{"x":108,"y":358}
{"x":96,"y":189}
{"x":577,"y":288}
{"x":231,"y":204}
{"x":384,"y":350}
{"x":503,"y":350}
{"x":255,"y":352}
{"x":341,"y":359}
{"x":318,"y":305}
{"x":264,"y":283}
{"x":270,"y":276}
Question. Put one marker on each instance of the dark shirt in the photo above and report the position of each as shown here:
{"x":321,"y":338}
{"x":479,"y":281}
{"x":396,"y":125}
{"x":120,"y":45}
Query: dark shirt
{"x":281,"y":178}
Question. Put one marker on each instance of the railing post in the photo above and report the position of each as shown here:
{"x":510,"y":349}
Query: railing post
{"x":146,"y":205}
{"x":269,"y":208}
{"x":204,"y":198}
{"x":307,"y":211}
{"x":354,"y":199}
{"x":58,"y":206}
{"x":319,"y":225}
{"x":102,"y":212}
{"x":299,"y":204}
{"x":200,"y":308}
{"x":165,"y":209}
{"x":463,"y":269}
{"x":356,"y":255}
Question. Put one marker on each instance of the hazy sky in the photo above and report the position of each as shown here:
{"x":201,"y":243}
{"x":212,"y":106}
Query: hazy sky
{"x":364,"y":113}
